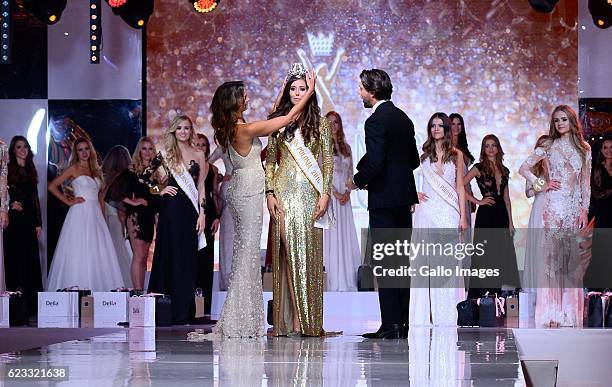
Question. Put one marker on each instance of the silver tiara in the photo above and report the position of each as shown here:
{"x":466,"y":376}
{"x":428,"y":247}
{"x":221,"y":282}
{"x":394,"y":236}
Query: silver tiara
{"x":296,"y":70}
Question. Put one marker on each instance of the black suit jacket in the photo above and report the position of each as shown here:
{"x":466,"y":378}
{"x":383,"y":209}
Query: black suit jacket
{"x":386,"y":170}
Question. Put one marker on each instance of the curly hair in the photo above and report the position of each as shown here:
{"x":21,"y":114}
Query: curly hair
{"x":499,"y":158}
{"x":226,"y":108}
{"x":137,"y":163}
{"x":29,"y":161}
{"x":429,"y":148}
{"x":309,"y":119}
{"x":174,"y":158}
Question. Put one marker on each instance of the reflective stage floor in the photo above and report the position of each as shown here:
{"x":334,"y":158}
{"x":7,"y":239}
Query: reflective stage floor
{"x":430,"y":357}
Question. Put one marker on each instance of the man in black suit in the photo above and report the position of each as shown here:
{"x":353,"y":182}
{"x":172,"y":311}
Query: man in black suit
{"x":386,"y":172}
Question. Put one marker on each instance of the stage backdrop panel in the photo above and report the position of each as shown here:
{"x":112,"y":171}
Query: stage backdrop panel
{"x":500,"y":64}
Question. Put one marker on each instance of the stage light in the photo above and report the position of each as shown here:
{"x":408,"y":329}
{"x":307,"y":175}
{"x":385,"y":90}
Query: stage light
{"x":49,"y":11}
{"x":116,"y":3}
{"x":5,"y":32}
{"x":544,"y":6}
{"x":204,"y":6}
{"x":601,"y":12}
{"x":136,"y":13}
{"x":95,"y":33}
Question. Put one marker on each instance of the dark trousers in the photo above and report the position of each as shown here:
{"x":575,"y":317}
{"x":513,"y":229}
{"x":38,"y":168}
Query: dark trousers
{"x":394,"y":303}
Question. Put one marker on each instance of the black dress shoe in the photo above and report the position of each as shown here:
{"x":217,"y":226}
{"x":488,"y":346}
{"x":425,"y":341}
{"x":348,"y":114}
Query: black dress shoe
{"x":386,"y":331}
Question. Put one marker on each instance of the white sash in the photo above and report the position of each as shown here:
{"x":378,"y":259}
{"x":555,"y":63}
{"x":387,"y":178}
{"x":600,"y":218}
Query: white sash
{"x":185,"y":181}
{"x":309,"y":165}
{"x":447,"y":192}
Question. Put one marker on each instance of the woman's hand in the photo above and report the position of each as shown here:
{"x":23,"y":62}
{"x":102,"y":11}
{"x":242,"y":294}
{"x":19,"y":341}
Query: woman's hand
{"x":311,"y":78}
{"x":38,"y":232}
{"x":200,"y":225}
{"x":486,"y":201}
{"x":214,"y":227}
{"x":511,"y":229}
{"x":17,"y":206}
{"x":140,"y":202}
{"x":345,"y":198}
{"x":4,"y":220}
{"x":553,"y":185}
{"x":463,"y":224}
{"x":583,"y":220}
{"x":422,"y":197}
{"x":273,"y":207}
{"x":169,"y":190}
{"x":76,"y":200}
{"x":321,"y":206}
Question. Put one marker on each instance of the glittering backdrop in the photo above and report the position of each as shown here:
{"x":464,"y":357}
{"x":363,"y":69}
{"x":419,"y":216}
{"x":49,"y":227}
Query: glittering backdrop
{"x":500,"y":64}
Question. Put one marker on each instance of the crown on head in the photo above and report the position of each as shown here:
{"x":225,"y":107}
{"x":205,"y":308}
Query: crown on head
{"x":296,"y":70}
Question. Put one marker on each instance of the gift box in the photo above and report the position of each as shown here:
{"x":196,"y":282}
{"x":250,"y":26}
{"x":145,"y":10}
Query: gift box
{"x":58,"y":304}
{"x":141,"y":339}
{"x":523,"y":316}
{"x":512,"y":306}
{"x":58,"y":321}
{"x":87,"y":312}
{"x":110,"y":308}
{"x":199,"y":306}
{"x":4,"y":310}
{"x":141,"y":311}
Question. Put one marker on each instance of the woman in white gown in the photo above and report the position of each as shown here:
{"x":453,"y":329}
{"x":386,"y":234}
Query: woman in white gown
{"x":226,"y":228}
{"x":433,"y":300}
{"x":242,"y":314}
{"x":560,"y":296}
{"x":85,"y":255}
{"x":116,"y":161}
{"x":341,"y":254}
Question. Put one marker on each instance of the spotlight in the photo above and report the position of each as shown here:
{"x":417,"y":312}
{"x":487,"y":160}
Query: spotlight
{"x":136,"y":13}
{"x":601,"y":12}
{"x":116,"y":3}
{"x":204,"y":6}
{"x":48,"y":11}
{"x":544,"y":6}
{"x":5,"y":32}
{"x":95,"y":31}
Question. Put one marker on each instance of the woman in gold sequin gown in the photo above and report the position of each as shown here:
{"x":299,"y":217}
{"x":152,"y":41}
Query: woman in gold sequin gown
{"x":294,"y":204}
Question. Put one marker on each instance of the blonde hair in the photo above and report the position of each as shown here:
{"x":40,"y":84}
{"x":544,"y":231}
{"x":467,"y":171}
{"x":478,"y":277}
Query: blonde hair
{"x":575,"y":130}
{"x":174,"y":158}
{"x":137,"y":163}
{"x":94,"y":166}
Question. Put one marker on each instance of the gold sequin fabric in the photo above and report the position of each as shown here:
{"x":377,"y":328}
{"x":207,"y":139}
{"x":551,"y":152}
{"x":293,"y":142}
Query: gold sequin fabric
{"x":304,"y":243}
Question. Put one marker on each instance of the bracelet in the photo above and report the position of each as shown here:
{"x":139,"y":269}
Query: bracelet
{"x":539,"y":184}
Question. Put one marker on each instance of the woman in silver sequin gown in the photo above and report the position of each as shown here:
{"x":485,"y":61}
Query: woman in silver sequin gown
{"x":566,"y":202}
{"x":242,"y":313}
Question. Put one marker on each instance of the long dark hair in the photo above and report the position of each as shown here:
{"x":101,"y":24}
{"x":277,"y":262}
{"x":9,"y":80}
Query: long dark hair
{"x":226,"y":105}
{"x":499,"y":158}
{"x":310,"y":117}
{"x":462,"y":143}
{"x":429,"y":148}
{"x":29,"y":161}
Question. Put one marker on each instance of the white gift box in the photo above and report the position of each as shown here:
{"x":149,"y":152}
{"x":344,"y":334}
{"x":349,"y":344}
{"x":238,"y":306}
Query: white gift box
{"x":141,"y":311}
{"x":58,"y":304}
{"x":524,"y":310}
{"x":58,"y":322}
{"x":141,"y":339}
{"x":110,"y":308}
{"x":4,"y":311}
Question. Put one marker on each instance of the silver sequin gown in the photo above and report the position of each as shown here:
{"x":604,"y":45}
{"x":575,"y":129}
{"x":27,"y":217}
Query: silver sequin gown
{"x":242,"y":314}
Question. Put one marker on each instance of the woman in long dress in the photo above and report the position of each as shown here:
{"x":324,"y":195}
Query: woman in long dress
{"x":4,"y":205}
{"x":459,"y":141}
{"x":85,"y":255}
{"x":181,"y":219}
{"x":340,"y":245}
{"x":534,"y":251}
{"x":567,"y":194}
{"x":226,"y":227}
{"x":295,"y":203}
{"x":433,"y":300}
{"x":134,"y":192}
{"x":114,"y":163}
{"x":242,"y":313}
{"x":21,"y":255}
{"x":493,"y":227}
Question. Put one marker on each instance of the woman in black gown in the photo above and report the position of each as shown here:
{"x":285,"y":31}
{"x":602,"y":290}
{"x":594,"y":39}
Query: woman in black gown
{"x":135,"y":191}
{"x":206,"y":256}
{"x":493,"y":215}
{"x":599,"y":273}
{"x":21,"y":256}
{"x":181,"y":219}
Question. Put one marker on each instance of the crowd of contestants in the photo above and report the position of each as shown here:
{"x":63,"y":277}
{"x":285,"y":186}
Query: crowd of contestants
{"x":137,"y":198}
